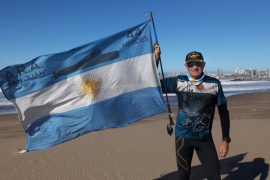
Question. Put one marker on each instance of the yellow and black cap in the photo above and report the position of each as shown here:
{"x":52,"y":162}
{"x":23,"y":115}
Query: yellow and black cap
{"x":194,"y":56}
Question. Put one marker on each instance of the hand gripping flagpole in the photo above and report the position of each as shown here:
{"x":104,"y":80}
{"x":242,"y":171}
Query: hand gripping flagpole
{"x":169,"y":126}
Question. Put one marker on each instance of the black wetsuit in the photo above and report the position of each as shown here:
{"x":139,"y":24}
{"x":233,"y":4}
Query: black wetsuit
{"x":196,"y":107}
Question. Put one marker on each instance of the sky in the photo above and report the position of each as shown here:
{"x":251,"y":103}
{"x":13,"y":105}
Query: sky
{"x":229,"y":33}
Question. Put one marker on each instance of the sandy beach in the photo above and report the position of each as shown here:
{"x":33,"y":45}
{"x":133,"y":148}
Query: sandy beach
{"x":141,"y":151}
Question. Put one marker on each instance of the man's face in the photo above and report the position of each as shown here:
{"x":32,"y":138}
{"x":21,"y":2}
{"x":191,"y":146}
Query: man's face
{"x":195,"y":68}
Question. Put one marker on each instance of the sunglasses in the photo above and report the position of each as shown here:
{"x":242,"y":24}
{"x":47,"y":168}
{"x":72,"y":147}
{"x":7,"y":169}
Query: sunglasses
{"x":194,"y":63}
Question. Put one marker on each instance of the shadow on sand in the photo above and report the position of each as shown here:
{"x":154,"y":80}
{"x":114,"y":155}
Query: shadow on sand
{"x":233,"y":167}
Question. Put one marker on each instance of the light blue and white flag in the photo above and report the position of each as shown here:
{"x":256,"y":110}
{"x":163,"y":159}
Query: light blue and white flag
{"x":107,"y":83}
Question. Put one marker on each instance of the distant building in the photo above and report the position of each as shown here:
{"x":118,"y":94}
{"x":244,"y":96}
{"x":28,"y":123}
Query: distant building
{"x":237,"y":71}
{"x":246,"y":72}
{"x":259,"y":73}
{"x":253,"y":72}
{"x":263,"y":74}
{"x":219,"y":72}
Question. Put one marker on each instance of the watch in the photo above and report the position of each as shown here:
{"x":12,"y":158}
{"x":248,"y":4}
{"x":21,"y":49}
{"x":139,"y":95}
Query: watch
{"x":227,"y":139}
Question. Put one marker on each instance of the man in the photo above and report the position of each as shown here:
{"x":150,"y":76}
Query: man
{"x":198,"y":96}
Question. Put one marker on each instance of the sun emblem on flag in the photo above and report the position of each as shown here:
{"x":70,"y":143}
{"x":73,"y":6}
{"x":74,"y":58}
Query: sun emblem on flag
{"x":89,"y":87}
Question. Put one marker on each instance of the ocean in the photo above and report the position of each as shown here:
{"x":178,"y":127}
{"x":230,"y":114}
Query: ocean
{"x":235,"y":87}
{"x":229,"y":87}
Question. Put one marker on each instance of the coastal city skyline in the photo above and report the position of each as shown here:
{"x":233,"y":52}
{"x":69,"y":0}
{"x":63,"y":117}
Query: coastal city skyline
{"x":238,"y":72}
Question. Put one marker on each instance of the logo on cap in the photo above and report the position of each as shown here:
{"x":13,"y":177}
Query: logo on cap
{"x":194,"y":55}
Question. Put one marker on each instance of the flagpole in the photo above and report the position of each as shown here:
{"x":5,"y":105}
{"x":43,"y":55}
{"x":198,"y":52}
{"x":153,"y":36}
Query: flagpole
{"x":169,"y":126}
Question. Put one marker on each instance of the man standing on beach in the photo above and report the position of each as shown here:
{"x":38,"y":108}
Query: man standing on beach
{"x":198,"y":95}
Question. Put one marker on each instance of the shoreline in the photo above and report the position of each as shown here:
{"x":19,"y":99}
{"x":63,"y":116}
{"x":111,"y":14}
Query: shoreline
{"x":173,"y":102}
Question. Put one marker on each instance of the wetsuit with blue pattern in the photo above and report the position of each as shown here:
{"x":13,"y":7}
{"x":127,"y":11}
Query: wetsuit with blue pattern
{"x":196,"y":108}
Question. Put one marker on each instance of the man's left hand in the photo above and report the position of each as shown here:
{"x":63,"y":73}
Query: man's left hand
{"x":224,"y":149}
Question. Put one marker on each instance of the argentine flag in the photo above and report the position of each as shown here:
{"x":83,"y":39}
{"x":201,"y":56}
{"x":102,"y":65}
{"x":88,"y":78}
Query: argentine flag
{"x":108,"y":83}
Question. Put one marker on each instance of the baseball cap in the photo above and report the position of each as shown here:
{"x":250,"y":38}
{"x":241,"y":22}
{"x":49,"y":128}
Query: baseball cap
{"x":194,"y":56}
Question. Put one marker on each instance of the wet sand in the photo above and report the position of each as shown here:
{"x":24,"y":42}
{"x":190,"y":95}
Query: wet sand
{"x":143,"y":150}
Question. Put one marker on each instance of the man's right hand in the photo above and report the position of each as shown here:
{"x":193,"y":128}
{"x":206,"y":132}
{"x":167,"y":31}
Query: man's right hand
{"x":157,"y":51}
